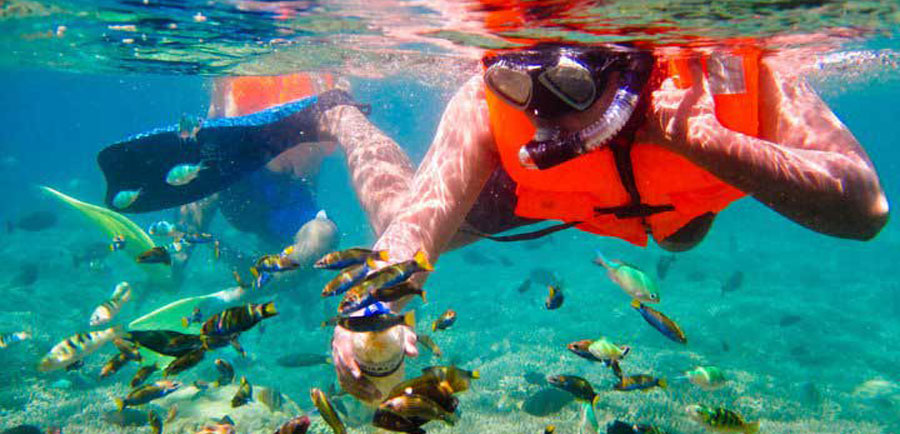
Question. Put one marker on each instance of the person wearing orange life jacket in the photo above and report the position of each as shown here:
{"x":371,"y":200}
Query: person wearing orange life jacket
{"x":615,"y":141}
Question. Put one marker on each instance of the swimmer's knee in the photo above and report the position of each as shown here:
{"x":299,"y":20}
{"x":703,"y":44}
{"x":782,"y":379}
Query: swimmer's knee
{"x":690,"y":235}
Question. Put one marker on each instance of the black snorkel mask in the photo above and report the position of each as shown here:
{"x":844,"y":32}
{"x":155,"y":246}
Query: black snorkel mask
{"x":550,"y":81}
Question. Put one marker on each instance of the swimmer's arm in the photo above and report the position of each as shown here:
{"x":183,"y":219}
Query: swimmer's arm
{"x":807,"y":166}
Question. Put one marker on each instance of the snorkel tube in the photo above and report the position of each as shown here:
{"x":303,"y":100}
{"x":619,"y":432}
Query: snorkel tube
{"x":549,"y":148}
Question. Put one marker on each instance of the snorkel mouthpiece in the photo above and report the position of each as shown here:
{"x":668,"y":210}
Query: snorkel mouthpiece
{"x":544,"y":152}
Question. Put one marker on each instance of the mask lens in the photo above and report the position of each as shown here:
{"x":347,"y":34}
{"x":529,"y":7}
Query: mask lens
{"x":572,"y":83}
{"x":513,"y":85}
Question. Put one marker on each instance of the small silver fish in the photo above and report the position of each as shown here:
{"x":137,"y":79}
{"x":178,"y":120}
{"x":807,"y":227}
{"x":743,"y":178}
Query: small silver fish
{"x":183,"y":174}
{"x":125,"y":198}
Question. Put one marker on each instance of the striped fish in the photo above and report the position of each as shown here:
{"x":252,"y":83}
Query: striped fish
{"x":7,"y":339}
{"x":110,"y":308}
{"x":75,"y":348}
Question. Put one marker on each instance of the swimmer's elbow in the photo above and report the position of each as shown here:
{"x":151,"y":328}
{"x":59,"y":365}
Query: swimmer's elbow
{"x":865,"y":220}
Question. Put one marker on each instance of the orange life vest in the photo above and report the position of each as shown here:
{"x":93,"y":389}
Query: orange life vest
{"x":573,"y":191}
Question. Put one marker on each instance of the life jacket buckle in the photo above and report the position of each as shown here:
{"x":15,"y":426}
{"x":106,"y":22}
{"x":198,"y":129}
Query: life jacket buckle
{"x":633,"y":210}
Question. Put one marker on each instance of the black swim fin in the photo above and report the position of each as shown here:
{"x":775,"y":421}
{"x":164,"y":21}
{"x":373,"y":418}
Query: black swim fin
{"x":228,"y":148}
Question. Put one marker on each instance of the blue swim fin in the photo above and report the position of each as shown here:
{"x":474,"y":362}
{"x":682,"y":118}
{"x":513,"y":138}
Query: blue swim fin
{"x":229,"y":148}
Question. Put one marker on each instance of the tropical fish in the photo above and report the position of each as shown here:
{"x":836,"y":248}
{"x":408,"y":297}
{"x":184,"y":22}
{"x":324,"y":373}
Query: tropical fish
{"x":706,"y":377}
{"x":113,"y":365}
{"x":7,"y":339}
{"x":188,"y":127}
{"x":226,"y":373}
{"x":35,"y":221}
{"x":444,"y":321}
{"x":142,"y":374}
{"x":635,"y":282}
{"x":243,"y":395}
{"x":356,"y":298}
{"x":72,"y":349}
{"x":577,"y":386}
{"x":161,"y":228}
{"x":303,"y":360}
{"x":109,"y":308}
{"x":619,"y":427}
{"x":414,"y":407}
{"x":663,"y":264}
{"x":376,"y":322}
{"x":197,"y":238}
{"x":156,"y":255}
{"x":196,"y":317}
{"x":166,"y":342}
{"x":660,"y":322}
{"x":271,"y":264}
{"x":430,"y":386}
{"x":118,"y":243}
{"x":183,"y":174}
{"x":147,"y":393}
{"x":156,"y":424}
{"x":396,"y":273}
{"x":125,"y":198}
{"x":554,"y":297}
{"x":131,"y":350}
{"x":734,"y":282}
{"x":524,"y":286}
{"x":721,"y":419}
{"x":628,"y":383}
{"x":271,"y":398}
{"x":297,"y":425}
{"x":457,"y":378}
{"x":606,"y":350}
{"x":549,"y":429}
{"x":387,"y":419}
{"x":223,"y":426}
{"x":429,"y":343}
{"x":184,"y":362}
{"x":398,"y":291}
{"x":237,"y":319}
{"x":353,"y":256}
{"x":327,"y":411}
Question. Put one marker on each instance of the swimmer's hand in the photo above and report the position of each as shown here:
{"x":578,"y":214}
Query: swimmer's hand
{"x":682,"y":115}
{"x":348,"y":372}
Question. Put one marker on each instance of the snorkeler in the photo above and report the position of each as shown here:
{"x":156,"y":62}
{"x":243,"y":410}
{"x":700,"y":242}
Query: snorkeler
{"x":613,"y":140}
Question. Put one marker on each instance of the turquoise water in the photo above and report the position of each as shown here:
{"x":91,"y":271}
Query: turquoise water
{"x":808,"y":342}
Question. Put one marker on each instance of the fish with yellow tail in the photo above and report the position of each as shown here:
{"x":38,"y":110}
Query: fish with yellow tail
{"x":73,"y":349}
{"x":660,"y":322}
{"x":414,"y":407}
{"x":105,"y":312}
{"x":429,"y":343}
{"x":237,"y":319}
{"x":184,"y":362}
{"x":399,"y":272}
{"x":634,"y":281}
{"x":456,"y":377}
{"x":275,"y":263}
{"x":243,"y":395}
{"x":147,"y":393}
{"x":327,"y":411}
{"x":349,"y":257}
{"x":345,"y":280}
{"x":447,"y":319}
{"x":721,"y":419}
{"x":7,"y":339}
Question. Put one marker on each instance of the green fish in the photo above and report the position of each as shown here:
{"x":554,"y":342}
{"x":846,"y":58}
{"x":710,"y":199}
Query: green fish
{"x":706,"y":377}
{"x":125,"y":198}
{"x":721,"y":419}
{"x":635,"y":282}
{"x":244,"y":393}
